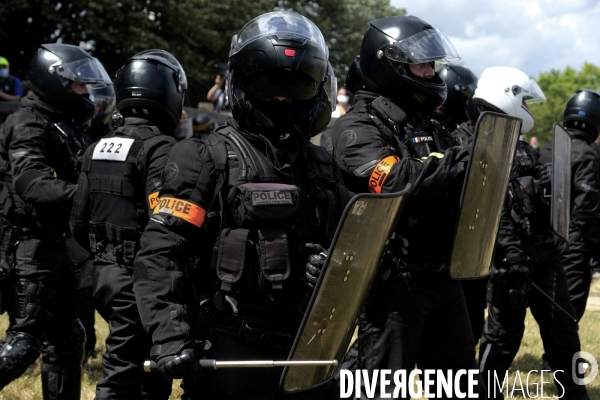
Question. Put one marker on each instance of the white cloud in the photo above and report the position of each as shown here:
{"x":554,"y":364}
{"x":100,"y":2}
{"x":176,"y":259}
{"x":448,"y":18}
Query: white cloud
{"x":534,"y":36}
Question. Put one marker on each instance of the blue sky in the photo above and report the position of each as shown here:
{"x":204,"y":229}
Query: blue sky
{"x":532,"y":35}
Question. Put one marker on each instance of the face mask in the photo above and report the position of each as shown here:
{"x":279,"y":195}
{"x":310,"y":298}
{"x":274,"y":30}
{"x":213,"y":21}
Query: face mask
{"x":342,"y":98}
{"x":4,"y":73}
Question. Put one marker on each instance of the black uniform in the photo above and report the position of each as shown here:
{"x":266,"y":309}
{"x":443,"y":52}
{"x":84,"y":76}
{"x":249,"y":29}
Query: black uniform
{"x":584,"y":229}
{"x":252,"y":295}
{"x":115,"y":196}
{"x":525,"y":239}
{"x":415,"y":299}
{"x":38,"y":152}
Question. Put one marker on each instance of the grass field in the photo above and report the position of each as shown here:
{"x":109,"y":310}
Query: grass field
{"x":28,"y":386}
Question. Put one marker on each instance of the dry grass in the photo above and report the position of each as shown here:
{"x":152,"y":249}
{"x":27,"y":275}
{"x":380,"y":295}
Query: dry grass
{"x":28,"y":386}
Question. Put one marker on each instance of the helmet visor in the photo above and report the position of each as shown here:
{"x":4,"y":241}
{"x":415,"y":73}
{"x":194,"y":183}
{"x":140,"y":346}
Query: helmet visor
{"x":281,"y":24}
{"x":104,"y":98}
{"x":165,"y":58}
{"x":271,"y":84}
{"x":86,"y":70}
{"x":532,"y":93}
{"x":426,"y":46}
{"x":330,"y":87}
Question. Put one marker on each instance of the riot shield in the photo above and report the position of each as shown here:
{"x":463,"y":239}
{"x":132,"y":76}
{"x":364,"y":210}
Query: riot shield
{"x":561,"y":182}
{"x":484,"y":190}
{"x":351,"y":267}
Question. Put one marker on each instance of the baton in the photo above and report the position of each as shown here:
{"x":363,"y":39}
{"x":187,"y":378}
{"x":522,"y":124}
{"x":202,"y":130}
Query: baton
{"x":206,"y":364}
{"x":550,"y":299}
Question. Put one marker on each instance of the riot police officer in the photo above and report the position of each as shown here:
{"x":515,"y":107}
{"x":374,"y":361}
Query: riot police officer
{"x":525,"y":251}
{"x":118,"y":189}
{"x":389,"y":139}
{"x":104,"y":98}
{"x":39,"y":149}
{"x":582,"y":121}
{"x":242,"y":205}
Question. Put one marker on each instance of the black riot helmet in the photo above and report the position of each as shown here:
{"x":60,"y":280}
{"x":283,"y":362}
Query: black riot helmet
{"x":278,"y":55}
{"x":582,"y":112}
{"x":354,"y":80}
{"x":52,"y":70}
{"x":461,"y":83}
{"x":389,"y":47}
{"x":152,"y":85}
{"x":203,"y":124}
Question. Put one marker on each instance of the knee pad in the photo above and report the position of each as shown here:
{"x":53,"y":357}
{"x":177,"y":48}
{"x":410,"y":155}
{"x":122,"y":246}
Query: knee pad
{"x":31,"y":298}
{"x":17,"y":352}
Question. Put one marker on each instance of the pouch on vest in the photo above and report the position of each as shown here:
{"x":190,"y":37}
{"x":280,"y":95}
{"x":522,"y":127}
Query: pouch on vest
{"x":261,"y":211}
{"x":526,"y":194}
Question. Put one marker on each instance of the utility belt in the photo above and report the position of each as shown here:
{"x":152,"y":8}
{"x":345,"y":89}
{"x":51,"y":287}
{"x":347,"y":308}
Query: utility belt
{"x":121,"y":242}
{"x":254,"y":331}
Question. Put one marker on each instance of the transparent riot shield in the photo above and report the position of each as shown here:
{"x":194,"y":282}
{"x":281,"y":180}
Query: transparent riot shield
{"x":484,"y":190}
{"x":351,"y":268}
{"x":561,"y":182}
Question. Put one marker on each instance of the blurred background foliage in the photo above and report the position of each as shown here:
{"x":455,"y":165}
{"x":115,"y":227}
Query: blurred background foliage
{"x":198,"y":33}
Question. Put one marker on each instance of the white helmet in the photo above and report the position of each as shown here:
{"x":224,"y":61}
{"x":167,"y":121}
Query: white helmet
{"x":507,"y":89}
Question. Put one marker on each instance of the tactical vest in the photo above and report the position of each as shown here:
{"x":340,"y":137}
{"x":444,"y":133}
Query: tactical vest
{"x":265,"y":221}
{"x":418,"y":139}
{"x":116,"y":187}
{"x":528,"y":208}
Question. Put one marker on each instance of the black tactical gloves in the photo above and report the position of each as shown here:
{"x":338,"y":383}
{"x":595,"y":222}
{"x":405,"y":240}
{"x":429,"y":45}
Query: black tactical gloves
{"x":315,"y":263}
{"x":184,"y":364}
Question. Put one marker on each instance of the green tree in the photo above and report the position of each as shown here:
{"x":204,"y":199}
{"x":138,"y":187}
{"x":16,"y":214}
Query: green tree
{"x":197,"y":32}
{"x":558,"y":86}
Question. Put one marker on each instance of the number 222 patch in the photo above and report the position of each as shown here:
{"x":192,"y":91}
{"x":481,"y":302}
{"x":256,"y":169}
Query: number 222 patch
{"x":112,"y":149}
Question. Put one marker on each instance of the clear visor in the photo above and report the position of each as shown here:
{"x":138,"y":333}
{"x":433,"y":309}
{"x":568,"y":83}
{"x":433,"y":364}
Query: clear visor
{"x":165,"y":58}
{"x":330,"y":87}
{"x":532,"y":93}
{"x":103,"y":98}
{"x":426,"y":46}
{"x":283,"y":24}
{"x":86,"y":70}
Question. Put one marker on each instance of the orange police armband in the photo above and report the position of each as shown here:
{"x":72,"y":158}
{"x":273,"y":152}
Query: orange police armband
{"x":185,"y":210}
{"x":153,"y":200}
{"x":380,"y":173}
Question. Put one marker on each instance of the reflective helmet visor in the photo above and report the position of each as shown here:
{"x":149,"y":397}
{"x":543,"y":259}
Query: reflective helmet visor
{"x":266,"y":85}
{"x":282,"y":24}
{"x":426,"y":46}
{"x":165,"y":58}
{"x":86,"y":70}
